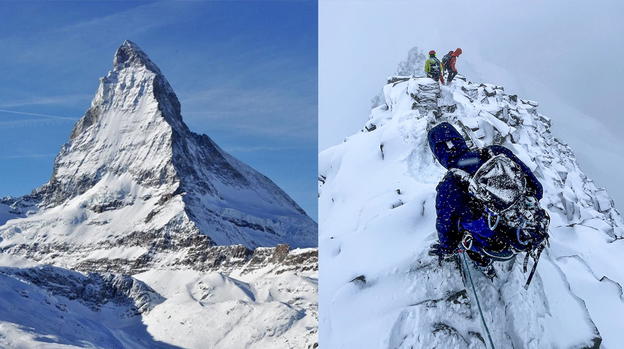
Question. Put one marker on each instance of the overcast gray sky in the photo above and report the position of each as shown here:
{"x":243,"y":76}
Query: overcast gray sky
{"x":564,"y":54}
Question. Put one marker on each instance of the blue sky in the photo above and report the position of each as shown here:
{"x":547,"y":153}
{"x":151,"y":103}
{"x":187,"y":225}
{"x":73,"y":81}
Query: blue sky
{"x":245,"y":73}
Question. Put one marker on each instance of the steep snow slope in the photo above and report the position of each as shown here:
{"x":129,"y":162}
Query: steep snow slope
{"x":5,"y":213}
{"x":48,"y":307}
{"x":11,"y":208}
{"x":267,"y":307}
{"x":377,"y":215}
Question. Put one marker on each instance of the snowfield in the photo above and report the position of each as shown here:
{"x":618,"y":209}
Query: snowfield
{"x":257,"y":310}
{"x":380,"y":289}
{"x":49,"y":307}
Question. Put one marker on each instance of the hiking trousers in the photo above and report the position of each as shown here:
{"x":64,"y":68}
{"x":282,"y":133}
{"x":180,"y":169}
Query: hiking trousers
{"x":434,"y":76}
{"x":451,"y":75}
{"x":479,"y":260}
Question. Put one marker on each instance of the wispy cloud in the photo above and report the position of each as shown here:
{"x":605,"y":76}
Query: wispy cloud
{"x":46,"y":116}
{"x":70,"y":99}
{"x":135,"y":20}
{"x":40,"y":120}
{"x":27,"y":156}
{"x":29,"y":123}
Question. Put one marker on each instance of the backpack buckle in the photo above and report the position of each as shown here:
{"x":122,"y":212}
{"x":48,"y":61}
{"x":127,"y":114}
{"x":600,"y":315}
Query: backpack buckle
{"x":467,"y":241}
{"x":491,"y":225}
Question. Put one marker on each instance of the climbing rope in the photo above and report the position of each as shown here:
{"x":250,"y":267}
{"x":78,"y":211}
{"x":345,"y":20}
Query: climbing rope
{"x":474,"y":291}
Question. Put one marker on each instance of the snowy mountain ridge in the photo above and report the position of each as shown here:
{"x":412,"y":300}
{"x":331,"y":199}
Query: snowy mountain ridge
{"x":148,"y":235}
{"x":270,"y":302}
{"x":380,"y":289}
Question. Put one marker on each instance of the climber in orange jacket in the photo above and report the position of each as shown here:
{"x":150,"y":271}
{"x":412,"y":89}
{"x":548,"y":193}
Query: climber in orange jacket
{"x":449,"y":65}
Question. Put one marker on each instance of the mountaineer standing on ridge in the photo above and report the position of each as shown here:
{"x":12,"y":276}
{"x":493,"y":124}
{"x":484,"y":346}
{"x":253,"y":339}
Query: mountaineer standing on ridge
{"x":487,"y":204}
{"x":433,"y":67}
{"x":449,"y":63}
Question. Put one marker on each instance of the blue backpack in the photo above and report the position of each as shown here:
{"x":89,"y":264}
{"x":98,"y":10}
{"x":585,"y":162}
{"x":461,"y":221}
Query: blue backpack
{"x":500,"y":187}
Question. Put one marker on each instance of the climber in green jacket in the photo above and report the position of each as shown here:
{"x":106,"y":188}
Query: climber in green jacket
{"x":434,"y":68}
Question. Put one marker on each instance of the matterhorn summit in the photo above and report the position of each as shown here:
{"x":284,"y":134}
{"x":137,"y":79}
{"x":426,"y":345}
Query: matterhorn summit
{"x":132,"y":169}
{"x":380,"y":288}
{"x":135,"y":192}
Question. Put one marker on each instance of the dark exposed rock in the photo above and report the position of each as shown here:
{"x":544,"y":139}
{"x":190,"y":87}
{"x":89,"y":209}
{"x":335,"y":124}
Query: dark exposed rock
{"x":595,"y":343}
{"x":322,"y":179}
{"x":113,"y":205}
{"x":370,"y":127}
{"x":397,"y":204}
{"x":490,"y":93}
{"x":359,"y":281}
{"x":477,"y":335}
{"x":396,"y":79}
{"x":93,"y":289}
{"x":459,"y":297}
{"x":448,"y":108}
{"x":166,"y":198}
{"x":279,"y":253}
{"x":151,"y":215}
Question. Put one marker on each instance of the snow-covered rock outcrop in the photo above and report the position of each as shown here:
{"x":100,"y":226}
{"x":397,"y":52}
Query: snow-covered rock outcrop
{"x":380,"y":289}
{"x":181,"y":244}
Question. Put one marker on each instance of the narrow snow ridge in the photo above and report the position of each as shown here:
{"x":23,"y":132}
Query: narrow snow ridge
{"x":377,"y":216}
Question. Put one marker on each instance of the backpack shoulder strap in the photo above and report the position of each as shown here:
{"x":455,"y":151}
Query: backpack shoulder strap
{"x":488,"y":153}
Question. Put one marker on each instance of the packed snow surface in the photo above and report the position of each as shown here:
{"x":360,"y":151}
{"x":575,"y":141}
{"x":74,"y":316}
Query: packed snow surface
{"x":380,"y":289}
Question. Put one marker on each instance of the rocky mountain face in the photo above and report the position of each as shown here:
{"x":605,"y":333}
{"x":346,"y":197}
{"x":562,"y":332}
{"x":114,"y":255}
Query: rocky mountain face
{"x":135,"y":192}
{"x":93,"y":290}
{"x":412,"y":66}
{"x":377,"y":217}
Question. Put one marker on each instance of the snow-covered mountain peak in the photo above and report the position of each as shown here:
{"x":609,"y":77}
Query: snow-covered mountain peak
{"x":377,"y":215}
{"x":132,"y":166}
{"x":129,"y":54}
{"x":128,"y":129}
{"x":135,"y":76}
{"x":134,"y":191}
